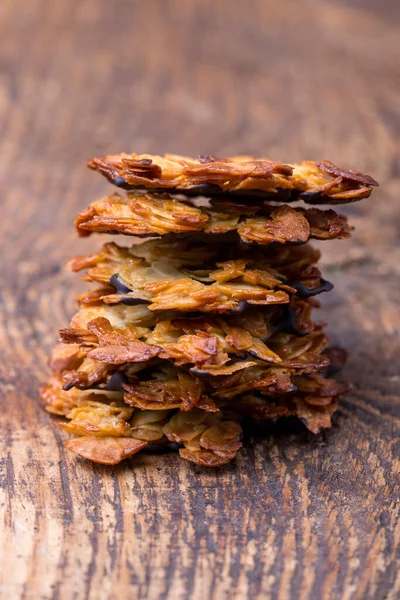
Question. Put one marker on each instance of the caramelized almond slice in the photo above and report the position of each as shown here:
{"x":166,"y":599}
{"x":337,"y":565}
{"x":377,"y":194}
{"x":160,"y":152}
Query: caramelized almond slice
{"x":106,"y":450}
{"x":207,"y":458}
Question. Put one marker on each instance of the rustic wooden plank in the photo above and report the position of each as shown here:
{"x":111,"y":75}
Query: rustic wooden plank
{"x":295,"y":516}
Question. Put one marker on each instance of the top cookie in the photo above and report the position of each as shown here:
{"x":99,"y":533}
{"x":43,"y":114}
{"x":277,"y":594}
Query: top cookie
{"x":314,"y":182}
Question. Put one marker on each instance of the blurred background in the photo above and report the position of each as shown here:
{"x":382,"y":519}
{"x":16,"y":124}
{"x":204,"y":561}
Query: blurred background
{"x":292,"y":79}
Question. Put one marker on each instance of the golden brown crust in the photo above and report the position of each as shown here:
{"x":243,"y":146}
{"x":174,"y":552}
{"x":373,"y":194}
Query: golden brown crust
{"x":105,"y":450}
{"x":169,"y":390}
{"x":137,"y":367}
{"x":270,"y":369}
{"x":354,"y":176}
{"x":61,"y":402}
{"x":219,"y":290}
{"x":219,"y":287}
{"x":184,"y":252}
{"x":316,"y":182}
{"x":209,"y":440}
{"x":107,"y":334}
{"x":88,"y":374}
{"x":66,"y":357}
{"x":159,"y":386}
{"x":151,"y":215}
{"x":305,"y":356}
{"x":314,"y":402}
{"x":98,"y":419}
{"x":109,"y":431}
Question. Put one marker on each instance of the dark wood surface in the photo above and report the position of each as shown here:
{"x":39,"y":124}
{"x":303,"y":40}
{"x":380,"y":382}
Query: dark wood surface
{"x":295,"y":516}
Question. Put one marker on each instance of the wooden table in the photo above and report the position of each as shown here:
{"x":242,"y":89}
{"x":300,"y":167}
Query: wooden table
{"x":295,"y":516}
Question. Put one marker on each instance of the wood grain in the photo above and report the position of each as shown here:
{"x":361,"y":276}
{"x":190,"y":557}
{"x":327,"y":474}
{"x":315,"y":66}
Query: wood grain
{"x":295,"y":517}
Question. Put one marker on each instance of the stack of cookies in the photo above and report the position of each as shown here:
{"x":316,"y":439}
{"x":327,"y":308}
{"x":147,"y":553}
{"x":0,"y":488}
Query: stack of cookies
{"x":209,"y":322}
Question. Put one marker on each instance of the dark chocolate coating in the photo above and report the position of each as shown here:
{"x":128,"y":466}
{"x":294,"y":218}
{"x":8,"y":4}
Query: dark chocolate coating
{"x":211,"y":190}
{"x":214,"y":191}
{"x":318,"y":198}
{"x":117,"y":283}
{"x":287,"y":322}
{"x":161,"y":448}
{"x":122,"y":289}
{"x":68,"y":386}
{"x":116,"y":382}
{"x":338,"y":358}
{"x":132,"y":301}
{"x":305,"y":292}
